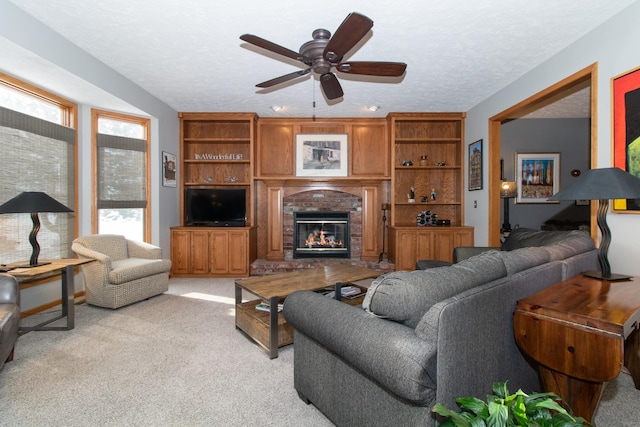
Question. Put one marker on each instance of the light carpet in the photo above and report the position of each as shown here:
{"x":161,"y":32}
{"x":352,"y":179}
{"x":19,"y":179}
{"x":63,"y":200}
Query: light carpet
{"x":176,"y":360}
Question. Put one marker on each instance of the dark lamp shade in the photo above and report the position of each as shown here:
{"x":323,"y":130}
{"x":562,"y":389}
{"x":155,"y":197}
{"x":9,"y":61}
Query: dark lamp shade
{"x":33,"y":202}
{"x":601,"y":184}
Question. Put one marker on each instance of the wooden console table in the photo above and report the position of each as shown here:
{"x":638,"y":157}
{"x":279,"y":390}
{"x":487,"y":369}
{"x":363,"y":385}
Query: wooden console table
{"x":580,"y":332}
{"x":56,"y":266}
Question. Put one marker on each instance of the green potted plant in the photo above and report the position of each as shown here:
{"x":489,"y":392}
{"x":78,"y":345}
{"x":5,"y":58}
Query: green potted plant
{"x":509,"y":410}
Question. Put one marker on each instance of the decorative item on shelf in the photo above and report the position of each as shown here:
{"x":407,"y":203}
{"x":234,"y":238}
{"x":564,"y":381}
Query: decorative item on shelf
{"x":411,"y":196}
{"x":33,"y":202}
{"x":423,"y":160}
{"x":407,"y":163}
{"x":602,"y":184}
{"x":385,"y":208}
{"x":441,"y":164}
{"x":427,"y":218}
{"x":230,"y":179}
{"x":208,"y":156}
{"x":424,"y":199}
{"x":208,"y":180}
{"x":433,"y":194}
{"x":508,"y":190}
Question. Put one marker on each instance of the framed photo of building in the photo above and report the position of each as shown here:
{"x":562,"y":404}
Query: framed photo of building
{"x":169,"y":162}
{"x":322,"y":155}
{"x":475,"y":165}
{"x":537,"y":177}
{"x":625,"y":90}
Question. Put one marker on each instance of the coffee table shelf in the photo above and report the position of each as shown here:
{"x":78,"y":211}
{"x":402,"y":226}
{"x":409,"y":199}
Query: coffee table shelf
{"x":255,"y":323}
{"x":269,"y":329}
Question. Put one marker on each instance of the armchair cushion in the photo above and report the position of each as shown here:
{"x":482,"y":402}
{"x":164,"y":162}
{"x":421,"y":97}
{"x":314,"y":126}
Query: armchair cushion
{"x":130,"y":269}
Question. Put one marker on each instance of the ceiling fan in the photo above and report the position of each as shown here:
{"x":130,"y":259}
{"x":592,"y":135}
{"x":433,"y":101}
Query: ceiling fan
{"x":324,"y":53}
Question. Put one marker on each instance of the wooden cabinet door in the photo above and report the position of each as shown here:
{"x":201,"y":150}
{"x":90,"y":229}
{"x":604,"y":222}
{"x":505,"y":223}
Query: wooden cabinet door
{"x":425,"y":246}
{"x":405,"y":250}
{"x":463,"y":237}
{"x":219,"y":251}
{"x":237,"y":253}
{"x":444,"y":245}
{"x":180,"y":251}
{"x":199,"y":252}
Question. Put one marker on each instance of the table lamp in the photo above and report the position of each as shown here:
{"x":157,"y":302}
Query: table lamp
{"x":507,"y":191}
{"x":602,"y":184}
{"x":33,"y":202}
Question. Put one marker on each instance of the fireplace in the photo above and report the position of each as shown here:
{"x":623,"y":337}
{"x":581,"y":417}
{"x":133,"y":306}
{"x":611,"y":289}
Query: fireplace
{"x":320,"y":234}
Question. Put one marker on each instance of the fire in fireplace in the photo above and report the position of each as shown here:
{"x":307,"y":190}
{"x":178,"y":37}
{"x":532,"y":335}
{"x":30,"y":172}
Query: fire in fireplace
{"x":321,"y":235}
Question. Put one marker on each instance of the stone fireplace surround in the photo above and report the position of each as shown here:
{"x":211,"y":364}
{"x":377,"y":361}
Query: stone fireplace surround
{"x":280,"y":199}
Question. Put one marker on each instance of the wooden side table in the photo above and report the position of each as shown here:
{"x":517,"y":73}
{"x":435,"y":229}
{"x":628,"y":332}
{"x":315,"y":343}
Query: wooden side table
{"x":65,"y":268}
{"x":580,"y":332}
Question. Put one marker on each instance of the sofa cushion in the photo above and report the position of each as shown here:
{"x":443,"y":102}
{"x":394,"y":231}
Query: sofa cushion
{"x":524,"y":258}
{"x":570,"y":246}
{"x":404,"y":296}
{"x":129,"y":269}
{"x":525,"y":237}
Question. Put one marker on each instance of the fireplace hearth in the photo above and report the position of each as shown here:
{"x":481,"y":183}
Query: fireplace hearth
{"x":321,"y":234}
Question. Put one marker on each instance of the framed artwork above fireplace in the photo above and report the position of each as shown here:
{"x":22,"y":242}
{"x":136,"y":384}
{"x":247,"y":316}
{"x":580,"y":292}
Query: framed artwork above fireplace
{"x":322,"y":155}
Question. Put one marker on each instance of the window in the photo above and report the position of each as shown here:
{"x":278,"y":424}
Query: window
{"x":38,"y":145}
{"x":121,"y":189}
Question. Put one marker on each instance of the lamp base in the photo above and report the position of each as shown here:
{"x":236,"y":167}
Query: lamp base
{"x":32,"y":265}
{"x":611,"y":278}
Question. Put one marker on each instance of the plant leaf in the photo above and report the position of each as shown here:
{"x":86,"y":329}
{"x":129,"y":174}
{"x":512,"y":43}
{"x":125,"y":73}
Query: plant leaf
{"x":472,"y":404}
{"x":498,"y":415}
{"x":455,"y":418}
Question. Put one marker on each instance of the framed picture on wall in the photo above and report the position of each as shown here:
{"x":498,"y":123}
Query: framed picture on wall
{"x":537,"y":177}
{"x":475,"y":165}
{"x":626,"y":130}
{"x":322,"y":155}
{"x":169,"y":162}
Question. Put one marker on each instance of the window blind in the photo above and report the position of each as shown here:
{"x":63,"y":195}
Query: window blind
{"x":121,"y":172}
{"x":37,"y":155}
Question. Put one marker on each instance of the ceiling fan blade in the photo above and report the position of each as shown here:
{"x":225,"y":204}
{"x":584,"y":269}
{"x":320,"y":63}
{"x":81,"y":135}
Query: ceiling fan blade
{"x":331,"y":86}
{"x":284,"y":78}
{"x":349,"y":33}
{"x":386,"y":69}
{"x":270,"y":46}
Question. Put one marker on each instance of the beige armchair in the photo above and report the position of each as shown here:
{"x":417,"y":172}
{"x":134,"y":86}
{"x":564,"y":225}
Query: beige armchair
{"x":125,"y":271}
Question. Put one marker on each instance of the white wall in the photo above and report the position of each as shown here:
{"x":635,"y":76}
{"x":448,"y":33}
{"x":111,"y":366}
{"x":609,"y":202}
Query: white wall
{"x":614,"y":46}
{"x":33,"y":53}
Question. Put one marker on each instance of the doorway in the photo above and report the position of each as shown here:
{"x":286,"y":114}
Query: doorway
{"x":586,"y":77}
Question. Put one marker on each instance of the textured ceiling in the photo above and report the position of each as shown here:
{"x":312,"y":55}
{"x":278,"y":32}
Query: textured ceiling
{"x":188,"y":53}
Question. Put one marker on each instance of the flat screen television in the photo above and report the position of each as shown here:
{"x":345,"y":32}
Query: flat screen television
{"x":216,"y":207}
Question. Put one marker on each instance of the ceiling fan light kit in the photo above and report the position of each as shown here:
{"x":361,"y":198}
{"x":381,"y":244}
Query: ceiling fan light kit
{"x":324,"y":53}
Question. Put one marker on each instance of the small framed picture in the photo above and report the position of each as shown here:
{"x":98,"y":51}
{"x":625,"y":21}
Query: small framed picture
{"x":475,"y":165}
{"x":168,"y":169}
{"x":537,"y":177}
{"x":322,"y":155}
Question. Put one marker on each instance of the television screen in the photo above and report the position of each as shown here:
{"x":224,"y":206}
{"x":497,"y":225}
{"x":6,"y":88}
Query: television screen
{"x":223,"y":207}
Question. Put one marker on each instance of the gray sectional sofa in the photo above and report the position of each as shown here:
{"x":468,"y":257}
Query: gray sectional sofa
{"x":427,"y":336}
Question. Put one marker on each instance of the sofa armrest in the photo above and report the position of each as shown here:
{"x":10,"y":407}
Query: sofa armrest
{"x":9,"y":293}
{"x":387,"y":352}
{"x":143,"y":250}
{"x":464,"y":252}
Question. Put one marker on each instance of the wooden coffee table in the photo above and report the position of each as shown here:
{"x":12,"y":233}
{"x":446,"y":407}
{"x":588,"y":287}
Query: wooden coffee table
{"x":269,"y":329}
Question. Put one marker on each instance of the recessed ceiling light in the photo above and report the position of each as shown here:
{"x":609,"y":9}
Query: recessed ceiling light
{"x":276,"y":108}
{"x":373,"y":107}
